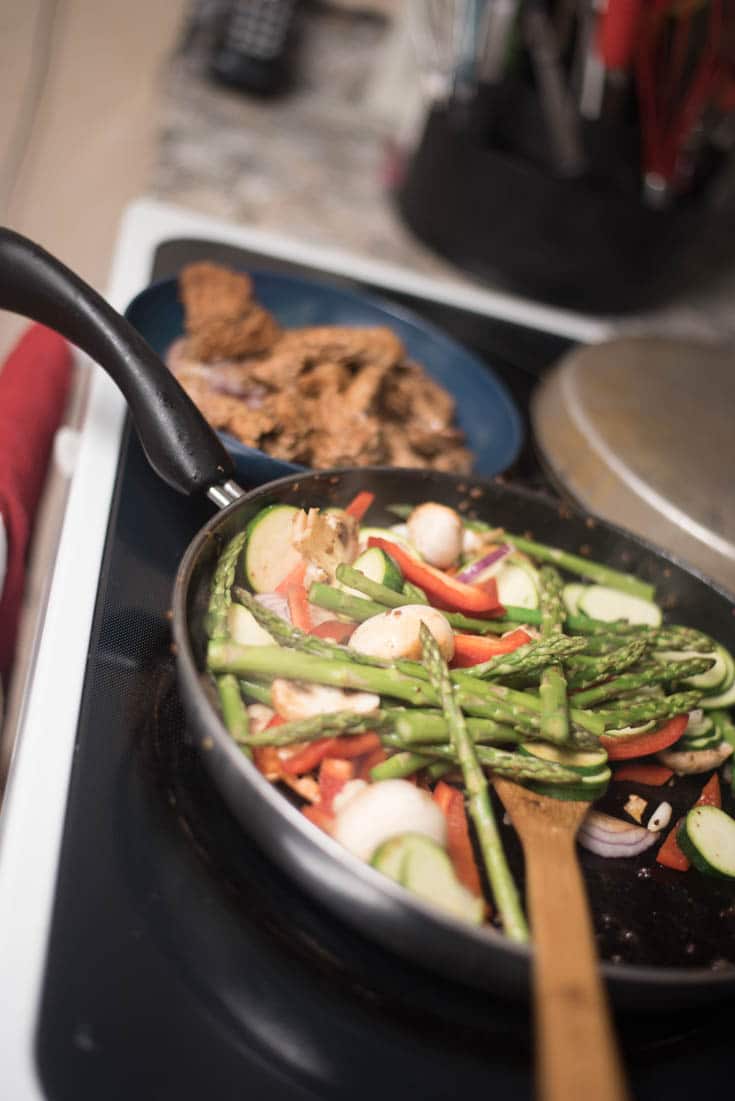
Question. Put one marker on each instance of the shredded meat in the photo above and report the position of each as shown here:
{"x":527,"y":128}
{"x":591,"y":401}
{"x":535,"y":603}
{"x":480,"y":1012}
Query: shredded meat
{"x":324,"y":396}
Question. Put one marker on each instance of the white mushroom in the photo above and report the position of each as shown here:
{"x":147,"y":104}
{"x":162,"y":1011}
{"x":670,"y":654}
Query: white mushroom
{"x":294,"y":700}
{"x":395,"y":634}
{"x":384,"y":810}
{"x":687,"y":762}
{"x":436,"y":531}
{"x":258,"y":717}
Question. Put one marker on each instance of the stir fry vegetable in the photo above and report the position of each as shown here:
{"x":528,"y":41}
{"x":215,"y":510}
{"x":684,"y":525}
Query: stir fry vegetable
{"x":385,"y":673}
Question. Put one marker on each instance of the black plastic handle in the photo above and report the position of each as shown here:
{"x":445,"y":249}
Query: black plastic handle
{"x":179,"y":444}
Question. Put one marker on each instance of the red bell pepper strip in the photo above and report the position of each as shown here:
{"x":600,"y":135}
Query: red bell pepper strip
{"x":350,"y":746}
{"x":459,"y":846}
{"x":333,"y":630}
{"x":670,"y":854}
{"x":334,"y":773}
{"x":443,"y":591}
{"x":316,"y":814}
{"x":370,"y":761}
{"x":475,"y":649}
{"x":620,"y":748}
{"x":307,"y":758}
{"x":298,"y":606}
{"x":295,"y":577}
{"x":359,"y":505}
{"x":312,"y":754}
{"x":711,"y":795}
{"x":653,"y":775}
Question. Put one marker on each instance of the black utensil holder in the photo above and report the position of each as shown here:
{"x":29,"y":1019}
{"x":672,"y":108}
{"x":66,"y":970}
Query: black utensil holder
{"x":572,"y":243}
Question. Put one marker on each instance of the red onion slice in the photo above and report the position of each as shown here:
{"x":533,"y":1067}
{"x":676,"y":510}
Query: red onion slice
{"x":274,"y":602}
{"x":611,"y":837}
{"x":480,"y":570}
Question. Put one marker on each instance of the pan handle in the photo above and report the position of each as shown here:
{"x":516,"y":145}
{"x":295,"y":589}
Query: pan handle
{"x":178,"y":442}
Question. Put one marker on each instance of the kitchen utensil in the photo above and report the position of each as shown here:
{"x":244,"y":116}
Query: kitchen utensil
{"x":188,"y":456}
{"x":576,"y":1052}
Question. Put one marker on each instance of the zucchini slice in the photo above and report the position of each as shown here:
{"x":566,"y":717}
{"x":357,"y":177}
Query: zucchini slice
{"x":697,"y":728}
{"x":377,"y":566}
{"x":427,"y":872}
{"x":725,"y":698}
{"x":707,"y":741}
{"x":390,"y":536}
{"x":707,"y":837}
{"x":602,"y":602}
{"x":713,"y":679}
{"x":571,"y":594}
{"x":587,"y":790}
{"x":245,"y":629}
{"x":269,"y":556}
{"x":517,"y":585}
{"x":423,"y":867}
{"x":389,"y":857}
{"x":587,"y":762}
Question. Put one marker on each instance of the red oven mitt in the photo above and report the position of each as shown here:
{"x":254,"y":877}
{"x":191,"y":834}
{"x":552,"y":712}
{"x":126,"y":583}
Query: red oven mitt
{"x":34,"y":385}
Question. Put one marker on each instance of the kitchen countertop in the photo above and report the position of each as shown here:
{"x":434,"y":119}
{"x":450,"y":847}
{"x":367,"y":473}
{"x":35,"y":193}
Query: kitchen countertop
{"x":314,"y":163}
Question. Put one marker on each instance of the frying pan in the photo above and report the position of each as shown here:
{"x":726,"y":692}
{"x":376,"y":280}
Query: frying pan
{"x":189,"y":456}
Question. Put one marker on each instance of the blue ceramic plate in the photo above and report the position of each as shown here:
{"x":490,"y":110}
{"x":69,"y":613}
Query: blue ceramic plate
{"x":485,"y":411}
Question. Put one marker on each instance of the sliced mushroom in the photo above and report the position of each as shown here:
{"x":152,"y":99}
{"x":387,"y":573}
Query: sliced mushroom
{"x":325,"y":539}
{"x":689,"y":762}
{"x":395,"y":634}
{"x":294,"y":700}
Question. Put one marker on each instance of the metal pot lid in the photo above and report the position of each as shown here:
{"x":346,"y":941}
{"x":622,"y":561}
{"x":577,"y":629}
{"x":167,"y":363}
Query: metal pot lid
{"x":641,"y":432}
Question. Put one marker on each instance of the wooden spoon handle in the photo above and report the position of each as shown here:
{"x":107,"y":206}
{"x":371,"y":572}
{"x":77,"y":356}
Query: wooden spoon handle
{"x":577,"y":1052}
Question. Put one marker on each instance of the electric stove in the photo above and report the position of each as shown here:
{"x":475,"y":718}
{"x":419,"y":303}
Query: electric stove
{"x":148,"y":949}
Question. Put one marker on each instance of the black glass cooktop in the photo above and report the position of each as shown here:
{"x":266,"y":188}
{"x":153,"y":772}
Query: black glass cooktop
{"x":181,"y":963}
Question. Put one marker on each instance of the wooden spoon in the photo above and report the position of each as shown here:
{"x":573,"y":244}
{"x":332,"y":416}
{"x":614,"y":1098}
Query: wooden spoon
{"x":576,"y":1051}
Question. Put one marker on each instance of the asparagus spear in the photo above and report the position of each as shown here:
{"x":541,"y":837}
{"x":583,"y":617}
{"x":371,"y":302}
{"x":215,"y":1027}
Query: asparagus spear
{"x":583,"y":670}
{"x":528,"y":658}
{"x":522,"y":701}
{"x":413,"y":594}
{"x":254,"y":691}
{"x":322,"y":726}
{"x":427,"y":727}
{"x":584,"y":567}
{"x":480,"y":807}
{"x":401,"y":765}
{"x":551,"y":604}
{"x":478,"y":698}
{"x":631,"y":714}
{"x":513,"y":766}
{"x":660,"y":673}
{"x":222,"y":581}
{"x":276,"y":661}
{"x":417,"y":727}
{"x":553,"y":685}
{"x":234,"y":712}
{"x":287,"y":635}
{"x":359,"y":609}
{"x":555,"y":708}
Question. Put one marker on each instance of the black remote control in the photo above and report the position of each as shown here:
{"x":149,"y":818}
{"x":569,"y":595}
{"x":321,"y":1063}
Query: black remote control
{"x":252,"y":50}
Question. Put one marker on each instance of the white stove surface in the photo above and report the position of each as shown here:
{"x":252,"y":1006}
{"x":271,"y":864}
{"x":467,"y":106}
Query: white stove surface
{"x":31,"y":824}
